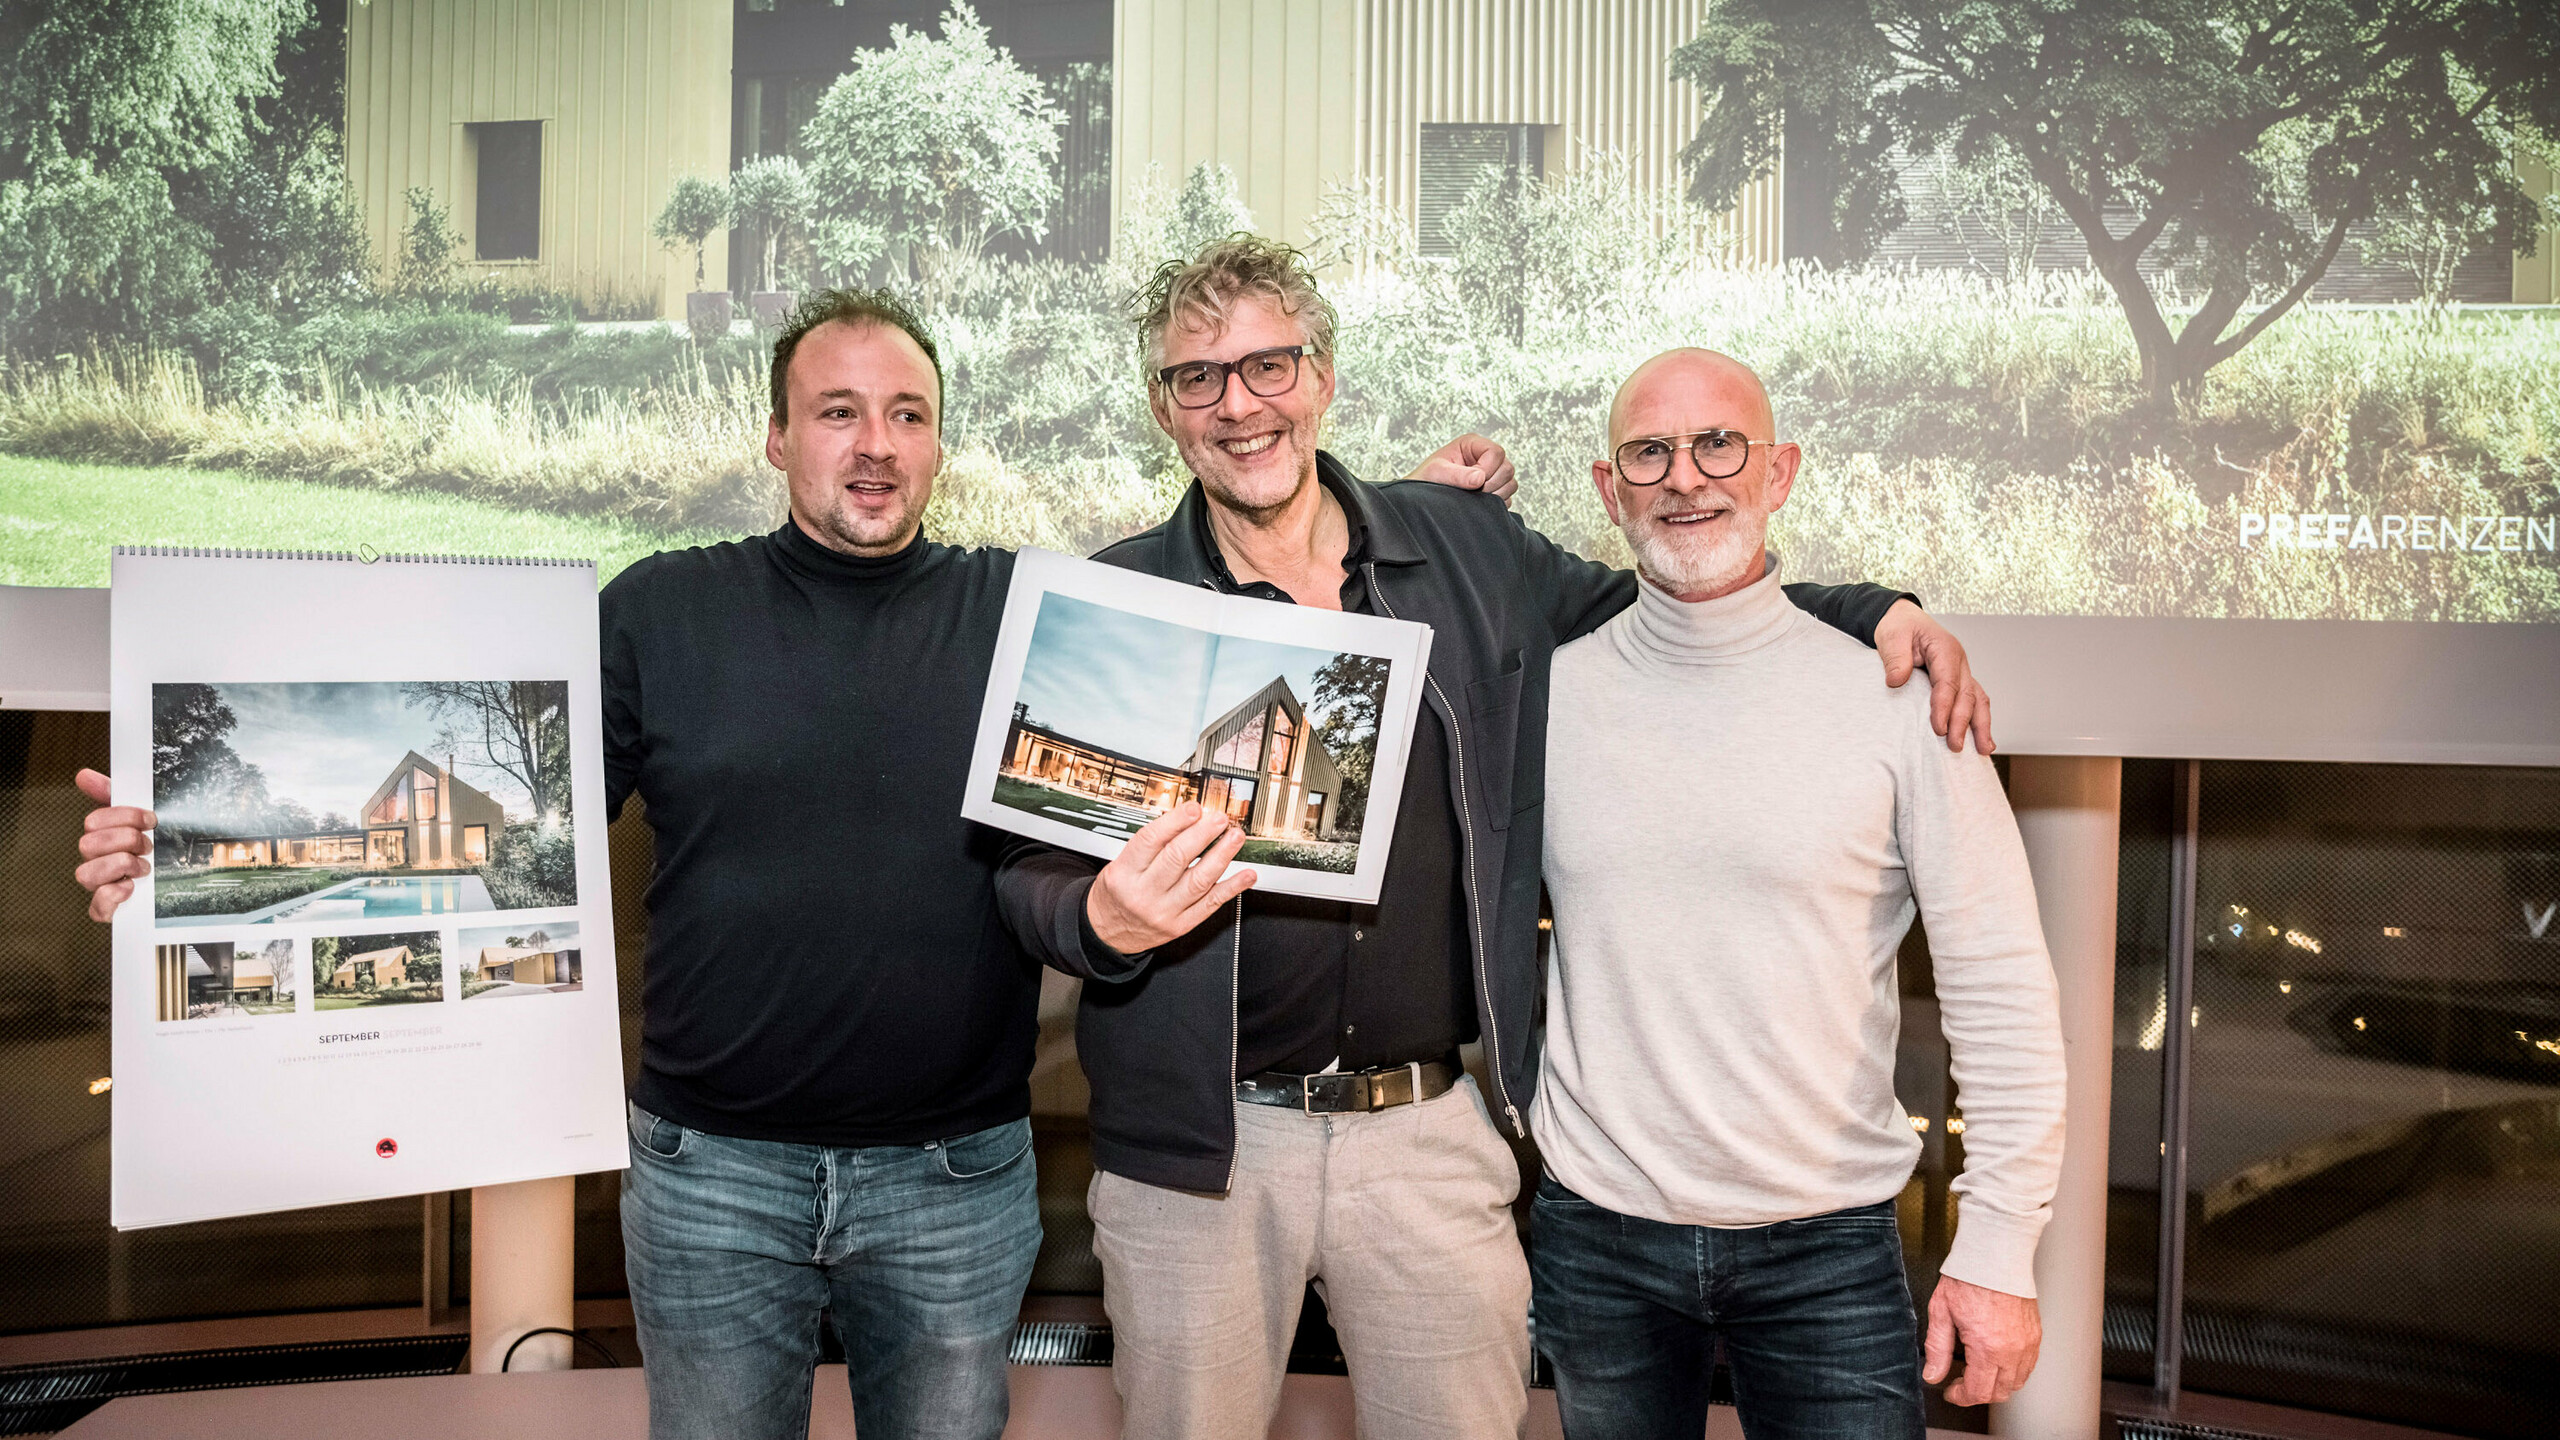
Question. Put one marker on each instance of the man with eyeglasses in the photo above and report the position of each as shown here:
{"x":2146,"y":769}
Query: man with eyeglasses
{"x":1740,"y":827}
{"x":1277,"y":1096}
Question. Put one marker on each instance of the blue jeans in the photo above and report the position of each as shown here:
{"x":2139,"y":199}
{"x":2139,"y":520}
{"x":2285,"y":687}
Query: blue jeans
{"x":733,"y":1247}
{"x":1815,"y":1315}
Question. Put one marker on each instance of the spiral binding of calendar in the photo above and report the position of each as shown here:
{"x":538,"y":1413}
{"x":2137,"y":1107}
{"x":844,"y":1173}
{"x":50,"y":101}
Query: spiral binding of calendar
{"x":191,"y":552}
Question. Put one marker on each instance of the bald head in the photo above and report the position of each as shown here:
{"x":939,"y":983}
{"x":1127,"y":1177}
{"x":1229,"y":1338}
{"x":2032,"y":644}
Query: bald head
{"x":1698,"y":523}
{"x":1680,"y":392}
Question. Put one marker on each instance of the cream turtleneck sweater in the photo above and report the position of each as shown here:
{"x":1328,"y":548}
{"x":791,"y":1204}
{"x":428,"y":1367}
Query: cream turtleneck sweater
{"x":1741,"y":822}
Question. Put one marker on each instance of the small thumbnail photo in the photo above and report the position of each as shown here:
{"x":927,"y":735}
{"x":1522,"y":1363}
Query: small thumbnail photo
{"x":505,"y":962}
{"x":349,"y":972}
{"x":213,"y":979}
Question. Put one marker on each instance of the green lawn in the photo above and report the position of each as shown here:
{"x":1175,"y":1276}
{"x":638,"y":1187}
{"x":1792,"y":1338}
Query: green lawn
{"x":1301,"y":855}
{"x":1098,"y":816}
{"x":238,"y":890}
{"x":57,"y":521}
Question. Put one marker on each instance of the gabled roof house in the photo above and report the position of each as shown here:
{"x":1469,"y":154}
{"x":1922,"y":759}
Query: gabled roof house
{"x":422,"y":816}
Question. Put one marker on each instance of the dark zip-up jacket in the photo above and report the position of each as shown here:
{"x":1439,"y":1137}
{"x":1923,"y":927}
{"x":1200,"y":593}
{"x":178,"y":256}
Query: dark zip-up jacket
{"x":1157,"y":1032}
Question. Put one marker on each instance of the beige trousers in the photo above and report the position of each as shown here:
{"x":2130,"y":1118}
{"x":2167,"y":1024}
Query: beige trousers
{"x":1402,"y":1218}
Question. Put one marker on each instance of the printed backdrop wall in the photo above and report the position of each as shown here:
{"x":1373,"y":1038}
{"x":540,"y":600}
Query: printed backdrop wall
{"x":2074,"y":317}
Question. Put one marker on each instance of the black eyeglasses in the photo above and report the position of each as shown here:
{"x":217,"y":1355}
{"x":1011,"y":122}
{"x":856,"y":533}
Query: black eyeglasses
{"x":1198,"y":384}
{"x":1718,"y":454}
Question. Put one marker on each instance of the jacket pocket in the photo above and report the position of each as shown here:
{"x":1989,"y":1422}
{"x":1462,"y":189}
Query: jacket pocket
{"x":974,"y":1157}
{"x":1493,"y":738}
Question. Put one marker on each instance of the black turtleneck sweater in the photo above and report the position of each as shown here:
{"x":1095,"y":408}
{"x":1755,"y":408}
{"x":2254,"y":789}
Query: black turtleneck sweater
{"x":826,"y":964}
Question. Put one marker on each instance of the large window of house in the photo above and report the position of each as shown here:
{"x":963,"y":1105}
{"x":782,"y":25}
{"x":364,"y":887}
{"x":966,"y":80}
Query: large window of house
{"x":1453,"y":160}
{"x":425,"y":786}
{"x":391,"y":809}
{"x":508,"y":217}
{"x":1243,"y":749}
{"x":1283,"y":736}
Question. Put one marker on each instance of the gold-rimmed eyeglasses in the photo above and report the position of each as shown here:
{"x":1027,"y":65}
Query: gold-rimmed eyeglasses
{"x":1198,"y":384}
{"x":1718,"y":454}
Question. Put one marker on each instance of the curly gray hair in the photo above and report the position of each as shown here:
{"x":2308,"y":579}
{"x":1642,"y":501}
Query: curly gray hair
{"x":1203,"y":290}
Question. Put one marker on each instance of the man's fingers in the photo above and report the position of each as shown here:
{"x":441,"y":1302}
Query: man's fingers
{"x":93,"y":785}
{"x":104,"y":900}
{"x":1968,"y":1388}
{"x":1219,"y":895}
{"x":1504,"y":482}
{"x":113,"y":842}
{"x":1939,"y":1351}
{"x":1204,"y":872}
{"x":108,"y":869}
{"x":1895,"y":651}
{"x":1982,"y":742}
{"x":1951,"y":712}
{"x":1179,"y":854}
{"x":1152,"y":837}
{"x":119,"y":817}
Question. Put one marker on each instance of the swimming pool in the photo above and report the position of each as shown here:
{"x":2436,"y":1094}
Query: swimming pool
{"x":390,"y":897}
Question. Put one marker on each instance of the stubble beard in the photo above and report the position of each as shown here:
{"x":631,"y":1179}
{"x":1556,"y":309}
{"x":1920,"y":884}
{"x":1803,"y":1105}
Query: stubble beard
{"x":849,"y":533}
{"x":1684,"y":564}
{"x":1259,"y":506}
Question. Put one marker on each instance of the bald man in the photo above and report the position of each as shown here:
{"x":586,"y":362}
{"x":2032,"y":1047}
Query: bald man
{"x":1740,"y":827}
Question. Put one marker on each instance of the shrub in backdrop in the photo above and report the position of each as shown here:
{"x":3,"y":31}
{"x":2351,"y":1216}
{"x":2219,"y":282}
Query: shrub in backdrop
{"x":934,"y":144}
{"x":694,"y":208}
{"x":533,"y":866}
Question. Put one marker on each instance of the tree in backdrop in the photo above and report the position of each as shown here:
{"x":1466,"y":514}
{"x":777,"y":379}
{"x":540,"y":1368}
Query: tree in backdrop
{"x":1161,"y":223}
{"x":1351,"y":690}
{"x":279,"y":957}
{"x":2231,"y":142}
{"x":327,"y":952}
{"x":429,"y":266}
{"x":694,"y":208}
{"x":1575,"y":250}
{"x":768,"y":195}
{"x":939,"y":145}
{"x":167,"y":157}
{"x":426,"y":957}
{"x":517,"y":728}
{"x":1797,"y":78}
{"x":199,"y":784}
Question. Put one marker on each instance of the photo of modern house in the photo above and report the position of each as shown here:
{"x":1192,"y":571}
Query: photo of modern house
{"x":1259,"y":763}
{"x":349,"y":971}
{"x":1120,"y":717}
{"x":209,"y":978}
{"x":421,"y":815}
{"x":359,"y":801}
{"x":376,"y":968}
{"x":511,"y":961}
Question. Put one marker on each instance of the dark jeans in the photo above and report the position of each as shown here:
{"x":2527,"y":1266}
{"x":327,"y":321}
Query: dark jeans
{"x":733,"y":1247}
{"x":1815,"y":1316}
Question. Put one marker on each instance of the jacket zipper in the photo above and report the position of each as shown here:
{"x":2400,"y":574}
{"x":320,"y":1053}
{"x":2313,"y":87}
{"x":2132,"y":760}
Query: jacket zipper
{"x":1235,"y":980}
{"x":1475,"y":905}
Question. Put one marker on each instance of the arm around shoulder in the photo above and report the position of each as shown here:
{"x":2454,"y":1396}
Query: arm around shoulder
{"x":1854,"y":609}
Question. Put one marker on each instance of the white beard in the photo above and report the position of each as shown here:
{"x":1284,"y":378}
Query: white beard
{"x":1687,"y":563}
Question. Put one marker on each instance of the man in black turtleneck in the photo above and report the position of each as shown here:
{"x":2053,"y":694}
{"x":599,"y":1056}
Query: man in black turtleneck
{"x":836,"y":1032}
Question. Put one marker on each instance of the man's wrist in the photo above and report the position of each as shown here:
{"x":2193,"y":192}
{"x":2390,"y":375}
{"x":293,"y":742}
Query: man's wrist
{"x":1104,"y":957}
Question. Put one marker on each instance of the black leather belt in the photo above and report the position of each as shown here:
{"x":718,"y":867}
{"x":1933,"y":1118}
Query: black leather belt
{"x":1333,"y":1094}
